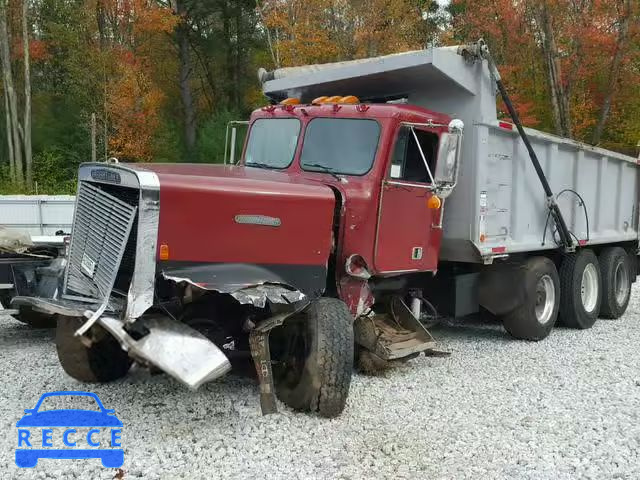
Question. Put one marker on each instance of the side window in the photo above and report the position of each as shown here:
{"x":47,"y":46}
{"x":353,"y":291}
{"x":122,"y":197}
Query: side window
{"x":407,"y":163}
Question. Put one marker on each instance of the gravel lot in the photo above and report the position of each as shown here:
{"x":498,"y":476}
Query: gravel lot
{"x":568,"y":407}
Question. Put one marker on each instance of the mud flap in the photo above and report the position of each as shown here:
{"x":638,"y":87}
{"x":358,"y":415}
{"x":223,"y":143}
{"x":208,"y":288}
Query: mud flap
{"x":259,"y":344}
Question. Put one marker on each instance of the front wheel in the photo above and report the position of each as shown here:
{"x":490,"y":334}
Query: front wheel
{"x":103,"y":361}
{"x":313,"y":354}
{"x":35,"y":319}
{"x":538,"y":311}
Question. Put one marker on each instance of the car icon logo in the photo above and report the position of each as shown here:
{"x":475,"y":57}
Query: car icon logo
{"x":69,"y":433}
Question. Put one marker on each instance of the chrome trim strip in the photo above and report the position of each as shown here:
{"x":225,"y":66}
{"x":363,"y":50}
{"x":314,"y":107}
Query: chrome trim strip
{"x":409,"y":184}
{"x":142,"y":289}
{"x":95,"y":316}
{"x":387,"y":272}
{"x":439,"y":224}
{"x":262,"y":220}
{"x":429,"y":124}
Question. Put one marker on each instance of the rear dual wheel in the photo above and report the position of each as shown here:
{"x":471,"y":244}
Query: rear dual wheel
{"x":581,"y":289}
{"x":595,"y":286}
{"x":584,"y":288}
{"x":616,"y":274}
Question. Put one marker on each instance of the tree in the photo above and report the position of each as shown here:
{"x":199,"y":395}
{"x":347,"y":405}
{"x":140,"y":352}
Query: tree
{"x":184,"y":49}
{"x":321,"y":31}
{"x":11,"y":102}
{"x":620,"y":49}
{"x":570,"y":62}
{"x":557,"y":87}
{"x":28,"y":154}
{"x":130,"y":36}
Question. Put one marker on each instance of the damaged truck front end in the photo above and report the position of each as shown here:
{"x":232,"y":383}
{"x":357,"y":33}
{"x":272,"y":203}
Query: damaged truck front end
{"x":186,"y":269}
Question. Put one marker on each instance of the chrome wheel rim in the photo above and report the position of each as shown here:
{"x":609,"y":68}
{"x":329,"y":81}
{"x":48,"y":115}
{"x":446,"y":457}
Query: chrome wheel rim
{"x":545,"y":299}
{"x":589,"y":288}
{"x":621,"y":284}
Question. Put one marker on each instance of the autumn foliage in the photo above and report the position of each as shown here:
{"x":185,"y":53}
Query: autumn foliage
{"x":133,"y":100}
{"x":161,"y":78}
{"x":324,"y":30}
{"x":570,"y":65}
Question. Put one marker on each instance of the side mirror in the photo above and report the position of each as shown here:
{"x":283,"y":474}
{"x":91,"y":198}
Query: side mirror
{"x":446,"y":172}
{"x":456,"y":126}
{"x":30,"y":410}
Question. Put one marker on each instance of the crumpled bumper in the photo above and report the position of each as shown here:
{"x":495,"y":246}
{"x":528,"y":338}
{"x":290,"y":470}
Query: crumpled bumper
{"x":171,"y":346}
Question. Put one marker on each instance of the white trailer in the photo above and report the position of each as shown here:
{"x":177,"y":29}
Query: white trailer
{"x":37,"y":215}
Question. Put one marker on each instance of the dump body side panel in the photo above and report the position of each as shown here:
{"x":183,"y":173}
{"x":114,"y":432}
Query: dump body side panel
{"x":508,"y":212}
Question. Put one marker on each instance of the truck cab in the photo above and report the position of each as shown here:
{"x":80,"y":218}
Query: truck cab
{"x":277,"y":256}
{"x":390,"y":166}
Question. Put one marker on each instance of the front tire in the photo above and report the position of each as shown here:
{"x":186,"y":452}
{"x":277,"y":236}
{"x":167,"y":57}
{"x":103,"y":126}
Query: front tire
{"x":615,"y":276}
{"x":35,"y":319}
{"x":313,"y":373}
{"x":104,"y":361}
{"x":538,"y":312}
{"x":581,"y":290}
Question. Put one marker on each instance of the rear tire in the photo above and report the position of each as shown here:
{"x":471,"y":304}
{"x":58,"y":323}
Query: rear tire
{"x":103,"y":361}
{"x":615,"y":276}
{"x":314,"y":373}
{"x":538,"y":312}
{"x":581,"y":290}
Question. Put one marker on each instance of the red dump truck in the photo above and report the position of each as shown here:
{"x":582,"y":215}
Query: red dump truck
{"x":371,"y":197}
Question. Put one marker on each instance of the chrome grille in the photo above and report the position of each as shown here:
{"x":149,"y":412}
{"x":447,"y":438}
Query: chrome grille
{"x":101,"y":229}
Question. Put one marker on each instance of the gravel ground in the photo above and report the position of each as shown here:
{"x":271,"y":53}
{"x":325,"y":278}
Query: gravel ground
{"x":564,"y":408}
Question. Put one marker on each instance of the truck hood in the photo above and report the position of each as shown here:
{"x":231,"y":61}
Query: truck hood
{"x":228,"y":227}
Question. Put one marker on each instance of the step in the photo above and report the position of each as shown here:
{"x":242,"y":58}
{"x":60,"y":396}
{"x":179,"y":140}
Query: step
{"x":409,"y":347}
{"x":390,"y":333}
{"x":6,"y":286}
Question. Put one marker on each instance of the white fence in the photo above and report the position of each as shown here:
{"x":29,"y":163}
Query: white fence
{"x":37,"y":214}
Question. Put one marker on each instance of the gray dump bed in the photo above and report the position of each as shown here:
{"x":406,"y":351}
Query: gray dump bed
{"x":498,"y":205}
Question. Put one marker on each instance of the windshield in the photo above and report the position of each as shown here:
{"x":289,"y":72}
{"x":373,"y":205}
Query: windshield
{"x":340,"y":145}
{"x":272,"y":142}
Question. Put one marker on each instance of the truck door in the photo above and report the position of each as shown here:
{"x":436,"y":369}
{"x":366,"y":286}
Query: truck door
{"x":406,"y":238}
